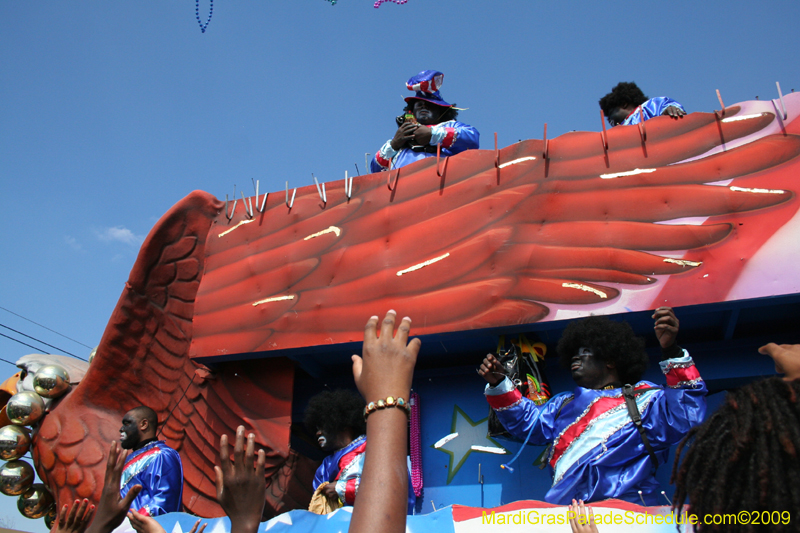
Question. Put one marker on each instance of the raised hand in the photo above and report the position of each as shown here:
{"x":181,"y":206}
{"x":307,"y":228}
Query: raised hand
{"x":786,"y":357}
{"x":387,"y":363}
{"x":491,"y":370}
{"x":79,"y":516}
{"x":666,"y":326}
{"x":112,"y":508}
{"x":579,"y":521}
{"x":148,"y":524}
{"x":241,"y":489}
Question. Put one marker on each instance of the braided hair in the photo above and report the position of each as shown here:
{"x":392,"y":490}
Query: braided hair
{"x":744,"y":458}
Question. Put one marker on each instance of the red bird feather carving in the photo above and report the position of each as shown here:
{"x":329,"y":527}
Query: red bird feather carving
{"x":142,"y":360}
{"x":480,"y":246}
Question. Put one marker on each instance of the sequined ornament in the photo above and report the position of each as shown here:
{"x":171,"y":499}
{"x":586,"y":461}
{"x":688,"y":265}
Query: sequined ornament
{"x":25,"y":408}
{"x":15,"y":441}
{"x":36,"y":502}
{"x":51,"y":381}
{"x":379,"y":2}
{"x":15,"y":477}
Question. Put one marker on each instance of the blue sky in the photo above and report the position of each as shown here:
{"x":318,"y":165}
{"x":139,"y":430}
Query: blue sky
{"x":111,"y":112}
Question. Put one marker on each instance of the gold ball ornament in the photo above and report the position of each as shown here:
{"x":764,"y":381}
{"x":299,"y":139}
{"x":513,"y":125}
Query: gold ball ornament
{"x":51,"y":381}
{"x":25,"y":408}
{"x":15,"y":441}
{"x":36,"y":502}
{"x":15,"y":477}
{"x":50,"y":517}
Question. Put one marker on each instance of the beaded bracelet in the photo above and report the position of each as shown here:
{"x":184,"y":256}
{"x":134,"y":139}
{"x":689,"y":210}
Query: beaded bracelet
{"x":390,"y":401}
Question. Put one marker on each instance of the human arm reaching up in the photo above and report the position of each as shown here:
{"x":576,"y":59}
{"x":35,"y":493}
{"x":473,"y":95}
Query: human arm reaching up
{"x":385,"y":369}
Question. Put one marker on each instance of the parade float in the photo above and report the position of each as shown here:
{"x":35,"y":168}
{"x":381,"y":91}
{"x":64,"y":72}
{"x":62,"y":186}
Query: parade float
{"x":237,"y":311}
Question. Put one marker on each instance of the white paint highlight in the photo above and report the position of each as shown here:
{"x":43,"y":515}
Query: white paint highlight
{"x":444,"y":440}
{"x":242,"y":223}
{"x":423,"y":264}
{"x":514,"y":162}
{"x":582,"y":287}
{"x":331,"y":229}
{"x":273,"y":299}
{"x":628,"y":173}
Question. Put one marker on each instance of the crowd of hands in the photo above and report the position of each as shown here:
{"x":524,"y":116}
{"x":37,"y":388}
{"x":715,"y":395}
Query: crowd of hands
{"x":385,"y":368}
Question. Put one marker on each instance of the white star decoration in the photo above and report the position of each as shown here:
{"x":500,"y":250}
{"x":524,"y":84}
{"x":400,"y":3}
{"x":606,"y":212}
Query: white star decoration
{"x":469,"y":434}
{"x":284,"y":518}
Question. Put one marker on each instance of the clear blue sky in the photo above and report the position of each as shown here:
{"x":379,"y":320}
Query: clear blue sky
{"x":110,"y":112}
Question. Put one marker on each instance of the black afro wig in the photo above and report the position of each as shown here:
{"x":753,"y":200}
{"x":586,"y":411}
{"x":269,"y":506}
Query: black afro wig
{"x":613,"y":342}
{"x":625,"y":93}
{"x":336,"y":411}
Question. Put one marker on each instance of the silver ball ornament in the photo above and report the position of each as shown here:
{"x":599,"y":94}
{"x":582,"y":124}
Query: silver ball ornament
{"x":51,"y":381}
{"x":15,"y":441}
{"x":15,"y":477}
{"x":36,"y":502}
{"x":25,"y":408}
{"x":91,"y":355}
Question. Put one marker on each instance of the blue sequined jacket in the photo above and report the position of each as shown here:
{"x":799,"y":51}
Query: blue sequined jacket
{"x":157,"y":468}
{"x":596,"y":451}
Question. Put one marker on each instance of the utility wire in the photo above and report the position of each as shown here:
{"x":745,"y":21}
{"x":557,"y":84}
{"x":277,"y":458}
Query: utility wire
{"x":45,"y":327}
{"x":40,"y":340}
{"x":25,"y":343}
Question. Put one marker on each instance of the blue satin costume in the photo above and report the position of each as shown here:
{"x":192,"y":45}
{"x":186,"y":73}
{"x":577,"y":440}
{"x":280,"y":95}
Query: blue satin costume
{"x":157,"y":468}
{"x":454,"y":136}
{"x":597,"y":452}
{"x":654,"y":107}
{"x":347,"y":484}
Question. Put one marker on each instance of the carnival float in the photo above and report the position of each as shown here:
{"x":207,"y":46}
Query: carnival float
{"x":236,"y":311}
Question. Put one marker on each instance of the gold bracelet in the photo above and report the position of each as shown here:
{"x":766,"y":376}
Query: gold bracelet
{"x":390,"y":401}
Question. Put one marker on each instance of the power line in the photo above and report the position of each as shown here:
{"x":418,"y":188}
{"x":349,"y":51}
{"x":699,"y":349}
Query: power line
{"x":25,"y":343}
{"x":40,"y":340}
{"x":45,"y":327}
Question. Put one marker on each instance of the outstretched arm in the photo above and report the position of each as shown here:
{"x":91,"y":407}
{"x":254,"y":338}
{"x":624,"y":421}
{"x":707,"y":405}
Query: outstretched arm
{"x":786,"y":357}
{"x":385,"y":369}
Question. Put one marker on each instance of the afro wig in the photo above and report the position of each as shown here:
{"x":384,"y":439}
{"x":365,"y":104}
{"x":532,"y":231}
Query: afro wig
{"x":336,"y":411}
{"x":612,"y":342}
{"x":624,"y":94}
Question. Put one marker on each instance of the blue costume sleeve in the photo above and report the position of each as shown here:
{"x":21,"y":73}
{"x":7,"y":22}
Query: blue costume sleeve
{"x":682,"y":405}
{"x":520,"y":415}
{"x":454,"y":136}
{"x":323,"y":473}
{"x":654,"y":107}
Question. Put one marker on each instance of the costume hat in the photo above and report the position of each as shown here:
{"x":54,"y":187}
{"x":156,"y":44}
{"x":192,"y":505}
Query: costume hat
{"x":427,"y":84}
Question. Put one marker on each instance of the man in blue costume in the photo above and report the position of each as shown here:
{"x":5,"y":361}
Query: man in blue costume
{"x":427,"y":122}
{"x":152,"y":464}
{"x":623,"y":104}
{"x":597,"y":450}
{"x":337,"y":418}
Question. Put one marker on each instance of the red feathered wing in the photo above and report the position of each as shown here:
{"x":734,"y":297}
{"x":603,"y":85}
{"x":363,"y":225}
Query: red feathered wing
{"x":473,"y":246}
{"x":142,"y":360}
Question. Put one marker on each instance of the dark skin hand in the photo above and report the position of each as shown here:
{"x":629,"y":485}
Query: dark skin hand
{"x":329,"y":491}
{"x":112,"y":509}
{"x":404,"y":135}
{"x":241,"y":490}
{"x":786,"y":357}
{"x":674,"y":112}
{"x":491,"y":370}
{"x":79,"y":516}
{"x":666,"y":326}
